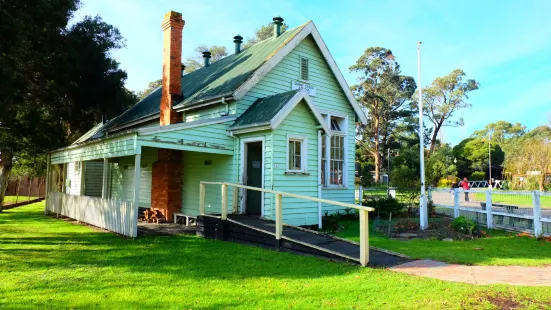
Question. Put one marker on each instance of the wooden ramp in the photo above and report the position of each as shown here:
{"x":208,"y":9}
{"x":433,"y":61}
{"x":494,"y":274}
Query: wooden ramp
{"x":255,"y":231}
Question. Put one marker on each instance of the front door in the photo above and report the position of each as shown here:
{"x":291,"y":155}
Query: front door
{"x":254,"y":178}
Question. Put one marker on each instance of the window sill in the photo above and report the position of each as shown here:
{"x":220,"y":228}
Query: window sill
{"x":296,"y":173}
{"x":334,"y":187}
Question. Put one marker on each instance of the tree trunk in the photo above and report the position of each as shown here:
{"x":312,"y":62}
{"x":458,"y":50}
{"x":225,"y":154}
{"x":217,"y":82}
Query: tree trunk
{"x":5,"y":170}
{"x":433,"y":139}
{"x":542,"y":180}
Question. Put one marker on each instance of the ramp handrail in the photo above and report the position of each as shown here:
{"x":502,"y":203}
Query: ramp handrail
{"x":364,"y":211}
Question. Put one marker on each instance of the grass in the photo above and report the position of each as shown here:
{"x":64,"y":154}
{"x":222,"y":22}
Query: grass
{"x":50,"y":263}
{"x":12,"y":199}
{"x":515,"y":199}
{"x":502,"y":248}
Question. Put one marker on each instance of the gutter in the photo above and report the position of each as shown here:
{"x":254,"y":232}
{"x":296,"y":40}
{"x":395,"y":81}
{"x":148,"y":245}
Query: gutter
{"x":205,"y":102}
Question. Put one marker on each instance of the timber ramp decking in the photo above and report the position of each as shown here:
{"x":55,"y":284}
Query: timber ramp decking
{"x":255,"y":231}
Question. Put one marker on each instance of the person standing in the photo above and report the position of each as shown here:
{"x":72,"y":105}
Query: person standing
{"x":465,"y":185}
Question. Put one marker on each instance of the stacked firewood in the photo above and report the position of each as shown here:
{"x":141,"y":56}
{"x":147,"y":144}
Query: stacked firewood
{"x":153,"y":216}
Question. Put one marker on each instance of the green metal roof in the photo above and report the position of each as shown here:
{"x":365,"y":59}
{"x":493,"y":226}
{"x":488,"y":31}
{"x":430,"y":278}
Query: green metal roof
{"x":221,"y":78}
{"x":263,"y":110}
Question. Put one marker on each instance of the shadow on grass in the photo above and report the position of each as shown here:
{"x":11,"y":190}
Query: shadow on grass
{"x":30,"y":240}
{"x":501,"y":248}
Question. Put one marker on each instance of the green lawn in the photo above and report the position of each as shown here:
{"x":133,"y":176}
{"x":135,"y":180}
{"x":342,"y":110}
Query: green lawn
{"x":502,"y":248}
{"x":514,"y":199}
{"x":12,"y":199}
{"x":50,"y":263}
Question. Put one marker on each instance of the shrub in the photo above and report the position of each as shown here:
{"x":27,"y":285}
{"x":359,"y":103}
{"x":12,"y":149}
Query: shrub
{"x":463,"y":225}
{"x":385,"y":206}
{"x":478,"y":176}
{"x":330,"y":222}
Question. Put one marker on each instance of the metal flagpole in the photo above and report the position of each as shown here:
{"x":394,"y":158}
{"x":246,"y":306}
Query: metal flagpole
{"x":423,"y":215}
{"x":490,"y":154}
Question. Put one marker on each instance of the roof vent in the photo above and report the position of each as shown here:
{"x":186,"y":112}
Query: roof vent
{"x":278,"y":22}
{"x":183,"y":69}
{"x":237,"y":40}
{"x":206,"y":56}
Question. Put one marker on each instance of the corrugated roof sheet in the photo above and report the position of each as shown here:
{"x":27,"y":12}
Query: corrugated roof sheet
{"x":220,"y":78}
{"x":263,"y":110}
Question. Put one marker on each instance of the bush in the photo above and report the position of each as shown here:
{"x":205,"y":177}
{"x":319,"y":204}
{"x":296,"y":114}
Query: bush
{"x":478,"y":176}
{"x":446,"y":182}
{"x":330,"y":222}
{"x":385,"y":206}
{"x":463,"y":225}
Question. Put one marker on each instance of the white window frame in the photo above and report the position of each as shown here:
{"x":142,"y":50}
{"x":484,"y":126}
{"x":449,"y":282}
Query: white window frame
{"x":343,"y":133}
{"x":303,"y":153}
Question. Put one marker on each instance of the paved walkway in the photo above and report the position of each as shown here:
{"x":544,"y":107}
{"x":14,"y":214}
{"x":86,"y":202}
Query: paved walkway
{"x":512,"y":275}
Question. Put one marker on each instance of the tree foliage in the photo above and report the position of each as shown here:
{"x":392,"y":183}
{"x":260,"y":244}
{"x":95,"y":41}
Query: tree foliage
{"x":57,"y":81}
{"x":263,"y":33}
{"x":472,"y":155}
{"x":440,"y":165}
{"x":445,"y":96}
{"x":197,"y":61}
{"x":385,"y":94}
{"x":531,"y":155}
{"x":500,"y":132}
{"x":150,"y":88}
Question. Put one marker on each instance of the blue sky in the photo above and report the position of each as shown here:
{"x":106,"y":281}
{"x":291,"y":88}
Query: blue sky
{"x":505,"y":45}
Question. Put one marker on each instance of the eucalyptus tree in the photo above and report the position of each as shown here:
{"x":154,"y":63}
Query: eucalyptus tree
{"x":443,"y":98}
{"x":385,"y":93}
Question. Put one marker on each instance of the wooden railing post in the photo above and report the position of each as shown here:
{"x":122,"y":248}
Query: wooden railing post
{"x":279,"y":216}
{"x":202,"y":192}
{"x":364,"y":237}
{"x":224,"y":214}
{"x":538,"y":227}
{"x":235,"y":200}
{"x":489,"y":217}
{"x":455,"y":202}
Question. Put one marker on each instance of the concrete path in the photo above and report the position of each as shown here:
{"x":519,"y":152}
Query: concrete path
{"x":480,"y":275}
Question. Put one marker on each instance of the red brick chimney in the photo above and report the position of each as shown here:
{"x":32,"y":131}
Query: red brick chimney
{"x":166,"y":185}
{"x":173,"y":24}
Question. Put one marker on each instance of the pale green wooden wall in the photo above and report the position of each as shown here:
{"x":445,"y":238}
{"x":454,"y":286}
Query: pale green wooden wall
{"x":300,"y":122}
{"x":109,"y":148}
{"x":121,"y":177}
{"x":214,"y":135}
{"x":196,"y":169}
{"x":213,"y":111}
{"x":330,"y":98}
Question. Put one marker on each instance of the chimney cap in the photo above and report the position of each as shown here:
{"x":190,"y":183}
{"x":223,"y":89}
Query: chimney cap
{"x":278,"y":19}
{"x":207,"y":54}
{"x":238,"y":39}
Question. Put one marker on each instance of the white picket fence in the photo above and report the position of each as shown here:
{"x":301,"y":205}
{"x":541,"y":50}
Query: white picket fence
{"x":112,"y":214}
{"x":520,"y":211}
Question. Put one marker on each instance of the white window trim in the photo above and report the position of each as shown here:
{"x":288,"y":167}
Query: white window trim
{"x":343,"y":133}
{"x":243,"y":160}
{"x":303,"y":153}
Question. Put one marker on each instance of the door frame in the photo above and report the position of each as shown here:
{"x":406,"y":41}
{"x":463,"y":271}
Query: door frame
{"x":243,"y":162}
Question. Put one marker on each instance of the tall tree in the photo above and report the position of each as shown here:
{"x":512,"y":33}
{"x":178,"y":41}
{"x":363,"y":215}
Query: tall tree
{"x":57,"y":81}
{"x":532,"y":154}
{"x":501,"y":131}
{"x":196,"y":62}
{"x":445,"y":96}
{"x":94,"y":84}
{"x":384,"y":93}
{"x":263,"y":33}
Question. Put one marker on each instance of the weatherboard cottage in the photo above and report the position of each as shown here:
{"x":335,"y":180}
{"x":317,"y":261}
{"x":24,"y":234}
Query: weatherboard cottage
{"x":277,"y":115}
